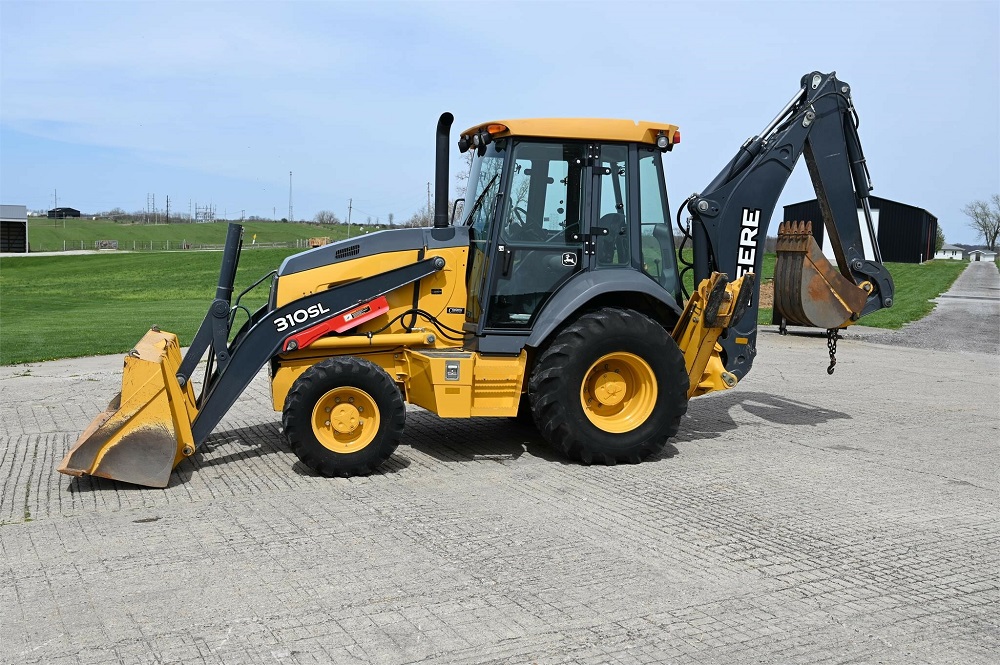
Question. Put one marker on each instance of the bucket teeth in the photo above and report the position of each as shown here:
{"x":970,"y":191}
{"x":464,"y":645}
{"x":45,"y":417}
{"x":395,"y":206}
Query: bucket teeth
{"x":808,"y":289}
{"x":794,"y":236}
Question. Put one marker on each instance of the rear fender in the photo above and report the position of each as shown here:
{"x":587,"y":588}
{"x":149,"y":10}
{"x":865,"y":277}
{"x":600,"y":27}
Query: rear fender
{"x":610,"y":286}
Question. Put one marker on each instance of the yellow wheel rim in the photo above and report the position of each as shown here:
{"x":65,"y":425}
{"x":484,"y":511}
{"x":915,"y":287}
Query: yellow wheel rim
{"x":619,"y":392}
{"x":345,"y":420}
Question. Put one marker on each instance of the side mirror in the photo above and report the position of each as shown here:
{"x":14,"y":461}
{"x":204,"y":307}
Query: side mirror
{"x":454,"y":209}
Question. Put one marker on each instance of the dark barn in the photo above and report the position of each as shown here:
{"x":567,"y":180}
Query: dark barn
{"x":62,"y":213}
{"x":905,"y":233}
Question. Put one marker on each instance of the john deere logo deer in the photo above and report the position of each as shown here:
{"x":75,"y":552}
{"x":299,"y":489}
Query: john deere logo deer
{"x":300,"y":316}
{"x":748,"y":242}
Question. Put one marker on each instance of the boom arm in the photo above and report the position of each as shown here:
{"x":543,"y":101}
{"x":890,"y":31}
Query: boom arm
{"x":729,"y":219}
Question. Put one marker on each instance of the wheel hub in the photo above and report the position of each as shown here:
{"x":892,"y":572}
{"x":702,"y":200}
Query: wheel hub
{"x":345,"y":418}
{"x":618,"y":392}
{"x":609,"y":388}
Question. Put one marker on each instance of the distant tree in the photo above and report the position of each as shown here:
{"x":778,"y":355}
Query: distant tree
{"x":463,"y":175}
{"x":420,"y":218}
{"x":939,"y":241}
{"x":391,"y":222}
{"x":984,"y":219}
{"x":426,"y":218}
{"x":326,"y":217}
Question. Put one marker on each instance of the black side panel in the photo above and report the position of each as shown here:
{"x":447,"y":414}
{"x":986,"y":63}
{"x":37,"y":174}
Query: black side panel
{"x":370,"y":244}
{"x":587,"y":286}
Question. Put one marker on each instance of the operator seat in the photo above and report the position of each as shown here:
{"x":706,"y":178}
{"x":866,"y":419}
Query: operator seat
{"x":612,"y":249}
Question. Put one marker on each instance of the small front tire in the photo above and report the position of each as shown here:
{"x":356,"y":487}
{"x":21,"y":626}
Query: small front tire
{"x":343,"y":417}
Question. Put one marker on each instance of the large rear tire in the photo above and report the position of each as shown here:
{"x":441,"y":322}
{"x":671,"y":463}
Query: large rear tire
{"x":611,"y":387}
{"x":343,"y":417}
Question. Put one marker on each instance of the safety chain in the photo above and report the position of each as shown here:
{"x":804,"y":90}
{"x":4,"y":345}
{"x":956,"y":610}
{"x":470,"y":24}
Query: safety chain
{"x":831,"y":344}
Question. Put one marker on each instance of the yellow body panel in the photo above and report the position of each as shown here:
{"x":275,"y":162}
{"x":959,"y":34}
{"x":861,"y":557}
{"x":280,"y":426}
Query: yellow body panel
{"x":382,"y":347}
{"x":450,"y":282}
{"x":464,"y":384}
{"x":591,"y":129}
{"x":452,"y":384}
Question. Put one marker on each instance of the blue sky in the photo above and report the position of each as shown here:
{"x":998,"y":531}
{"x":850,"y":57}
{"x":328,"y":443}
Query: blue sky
{"x":216,"y":102}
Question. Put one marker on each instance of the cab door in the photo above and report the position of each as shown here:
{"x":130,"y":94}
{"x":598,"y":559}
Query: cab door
{"x":542,"y":223}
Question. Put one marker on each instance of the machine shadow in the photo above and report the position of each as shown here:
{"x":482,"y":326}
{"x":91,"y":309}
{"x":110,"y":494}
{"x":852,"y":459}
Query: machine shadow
{"x":711,"y":417}
{"x":237,"y":445}
{"x":504,"y":440}
{"x":500,"y":440}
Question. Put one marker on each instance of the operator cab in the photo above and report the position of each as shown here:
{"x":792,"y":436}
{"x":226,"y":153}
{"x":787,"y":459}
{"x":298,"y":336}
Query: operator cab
{"x":549,"y":200}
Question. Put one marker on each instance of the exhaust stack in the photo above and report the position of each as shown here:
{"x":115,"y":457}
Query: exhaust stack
{"x":441,"y":174}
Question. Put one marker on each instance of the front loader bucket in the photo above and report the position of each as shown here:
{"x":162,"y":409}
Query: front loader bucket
{"x":146,"y":429}
{"x":808,"y":289}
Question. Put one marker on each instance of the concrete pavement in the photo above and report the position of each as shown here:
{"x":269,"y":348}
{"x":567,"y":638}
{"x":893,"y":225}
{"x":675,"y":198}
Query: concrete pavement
{"x":797,"y":518}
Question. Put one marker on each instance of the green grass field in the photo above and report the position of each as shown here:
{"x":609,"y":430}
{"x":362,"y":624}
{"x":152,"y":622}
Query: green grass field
{"x":55,"y":235}
{"x":71,"y":306}
{"x":915,"y":284}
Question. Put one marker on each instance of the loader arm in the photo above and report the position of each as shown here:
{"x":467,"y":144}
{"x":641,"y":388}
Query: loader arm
{"x":157,"y":421}
{"x":277,"y":332}
{"x":729,"y":220}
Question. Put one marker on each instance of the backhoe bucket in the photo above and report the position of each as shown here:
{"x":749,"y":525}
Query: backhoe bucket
{"x":146,"y":430}
{"x":808,"y":289}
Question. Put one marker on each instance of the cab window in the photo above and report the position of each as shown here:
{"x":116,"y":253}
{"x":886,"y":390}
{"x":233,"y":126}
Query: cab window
{"x":658,"y":257}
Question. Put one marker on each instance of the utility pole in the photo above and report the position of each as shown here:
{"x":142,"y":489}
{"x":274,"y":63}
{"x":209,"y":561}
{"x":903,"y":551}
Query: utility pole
{"x":290,"y":218}
{"x":350,"y":204}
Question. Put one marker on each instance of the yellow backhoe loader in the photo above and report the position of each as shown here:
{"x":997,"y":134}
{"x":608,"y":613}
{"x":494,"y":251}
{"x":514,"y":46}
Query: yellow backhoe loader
{"x":557,"y":292}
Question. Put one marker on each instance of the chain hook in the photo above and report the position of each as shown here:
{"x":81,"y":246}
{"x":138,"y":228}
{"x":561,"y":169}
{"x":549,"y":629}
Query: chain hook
{"x":831,"y":344}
